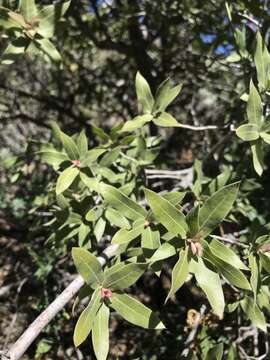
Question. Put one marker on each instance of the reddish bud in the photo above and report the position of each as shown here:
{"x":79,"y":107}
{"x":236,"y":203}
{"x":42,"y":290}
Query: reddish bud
{"x":146,"y":224}
{"x":106,"y":293}
{"x":265,"y":248}
{"x":199,"y":249}
{"x":193,"y":248}
{"x":76,"y":163}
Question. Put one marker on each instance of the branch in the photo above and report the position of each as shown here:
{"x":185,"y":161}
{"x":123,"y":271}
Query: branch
{"x":168,"y":174}
{"x":230,"y":241}
{"x":32,"y":332}
{"x":250,"y":19}
{"x":206,"y":127}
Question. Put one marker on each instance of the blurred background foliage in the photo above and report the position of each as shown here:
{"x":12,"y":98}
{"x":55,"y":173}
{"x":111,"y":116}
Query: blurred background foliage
{"x":103,"y":43}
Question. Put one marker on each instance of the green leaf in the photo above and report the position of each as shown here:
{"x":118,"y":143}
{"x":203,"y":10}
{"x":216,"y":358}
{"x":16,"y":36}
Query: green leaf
{"x":240,"y":39}
{"x":122,"y":203}
{"x":165,"y":95}
{"x":254,"y":106}
{"x":144,"y":93}
{"x":179,"y":273}
{"x":257,"y":156}
{"x":56,"y":132}
{"x":87,"y":319}
{"x":111,"y":176}
{"x":150,"y":238}
{"x":11,"y":20}
{"x":232,"y":353}
{"x":262,"y":62}
{"x":135,"y":312}
{"x":121,"y":277}
{"x":215,"y":353}
{"x":92,"y":183}
{"x":254,"y":278}
{"x":111,"y":156}
{"x":216,"y":208}
{"x":14,"y":50}
{"x":209,"y":282}
{"x":220,"y":181}
{"x":197,"y":186}
{"x":265,"y":137}
{"x":82,"y":143}
{"x":100,"y":333}
{"x":165,"y":251}
{"x":52,"y":157}
{"x":266,"y":125}
{"x":174,"y":197}
{"x":233,"y":275}
{"x":84,"y":292}
{"x":254,"y":314}
{"x":192,"y":219}
{"x":137,"y":123}
{"x":166,"y":213}
{"x":87,"y":266}
{"x":94,"y":213}
{"x":17,"y":20}
{"x":248,"y":132}
{"x":84,"y":230}
{"x":166,"y":120}
{"x":116,"y":218}
{"x":228,"y":10}
{"x":49,"y":49}
{"x":65,"y":179}
{"x":69,"y":146}
{"x":265,"y":260}
{"x":28,"y":9}
{"x":161,"y":92}
{"x":62,"y":201}
{"x":91,"y":156}
{"x":49,"y":16}
{"x":124,"y":236}
{"x":99,"y":228}
{"x":227,"y":254}
{"x":100,"y":133}
{"x":33,"y":48}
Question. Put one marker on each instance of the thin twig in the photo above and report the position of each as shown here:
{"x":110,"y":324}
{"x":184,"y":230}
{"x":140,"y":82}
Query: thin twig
{"x":168,"y":172}
{"x":230,"y":241}
{"x":31,"y":333}
{"x":256,"y":341}
{"x":193,"y":332}
{"x":206,"y":127}
{"x":250,"y":19}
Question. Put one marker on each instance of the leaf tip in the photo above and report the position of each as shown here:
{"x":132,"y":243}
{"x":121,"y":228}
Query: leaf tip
{"x":160,"y":326}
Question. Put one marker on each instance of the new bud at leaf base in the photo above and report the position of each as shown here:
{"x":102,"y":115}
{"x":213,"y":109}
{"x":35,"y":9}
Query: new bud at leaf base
{"x":265,"y":248}
{"x":199,"y":248}
{"x":146,"y":224}
{"x":106,"y":293}
{"x":195,"y":247}
{"x":76,"y":163}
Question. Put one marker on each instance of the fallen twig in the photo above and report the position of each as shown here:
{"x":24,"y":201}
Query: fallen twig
{"x":25,"y":340}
